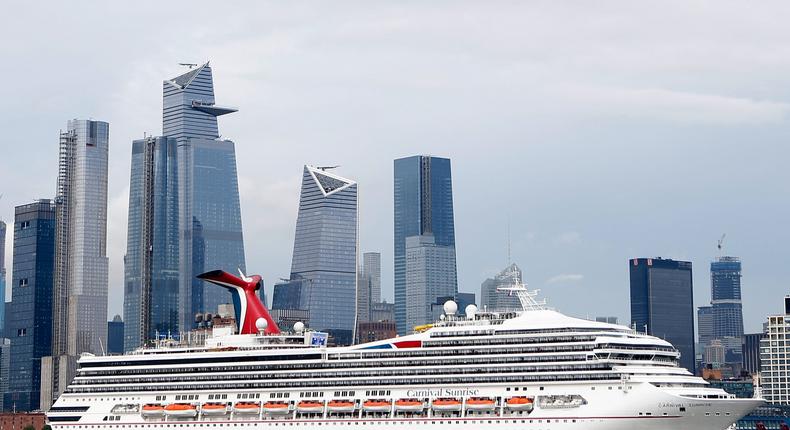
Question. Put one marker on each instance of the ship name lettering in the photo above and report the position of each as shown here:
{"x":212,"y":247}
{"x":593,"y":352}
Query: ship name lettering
{"x":443,"y":392}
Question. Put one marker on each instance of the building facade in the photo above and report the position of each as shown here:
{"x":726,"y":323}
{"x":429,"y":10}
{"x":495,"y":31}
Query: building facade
{"x":382,"y":311}
{"x":774,"y":366}
{"x":371,"y":267}
{"x":423,"y":204}
{"x":727,"y":309}
{"x":151,"y":263}
{"x":30,"y":315}
{"x":662,"y":303}
{"x":115,"y":335}
{"x":430,"y":274}
{"x":704,"y":325}
{"x":2,"y":274}
{"x":325,"y":252}
{"x":5,"y":368}
{"x":492,"y":299}
{"x":751,"y":352}
{"x":210,"y":229}
{"x":79,"y":301}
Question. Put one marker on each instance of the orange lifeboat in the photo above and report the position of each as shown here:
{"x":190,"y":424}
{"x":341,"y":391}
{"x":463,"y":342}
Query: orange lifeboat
{"x":446,"y":404}
{"x":310,"y":407}
{"x":340,"y":406}
{"x":519,"y":403}
{"x":247,"y":407}
{"x":214,"y":408}
{"x":480,"y":404}
{"x":275,"y":408}
{"x":376,"y":405}
{"x":181,"y":410}
{"x":409,"y":405}
{"x":152,"y":410}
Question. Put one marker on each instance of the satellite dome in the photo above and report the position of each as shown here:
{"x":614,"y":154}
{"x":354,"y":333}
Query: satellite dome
{"x":450,"y":307}
{"x":470,"y":311}
{"x":299,"y":327}
{"x":261,"y":324}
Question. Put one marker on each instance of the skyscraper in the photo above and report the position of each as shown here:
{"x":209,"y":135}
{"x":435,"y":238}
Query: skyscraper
{"x":79,"y":302}
{"x":430,"y":274}
{"x":115,"y":335}
{"x":423,"y":206}
{"x":184,"y":213}
{"x":325,"y":251}
{"x":368,"y":285}
{"x":492,"y":299}
{"x":30,"y":314}
{"x":152,"y":247}
{"x":209,"y":218}
{"x":2,"y":276}
{"x":371,"y":267}
{"x":662,"y":303}
{"x":705,"y":325}
{"x":727,"y":310}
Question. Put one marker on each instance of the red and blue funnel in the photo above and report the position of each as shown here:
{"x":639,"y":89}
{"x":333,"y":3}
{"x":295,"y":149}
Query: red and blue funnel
{"x":246,"y":303}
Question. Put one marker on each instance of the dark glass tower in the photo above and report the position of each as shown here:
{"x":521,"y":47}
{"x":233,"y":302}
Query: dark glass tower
{"x":30,"y":314}
{"x":151,"y":261}
{"x":423,"y":206}
{"x":725,"y":278}
{"x":2,"y":276}
{"x":325,"y":252}
{"x":662,"y":302}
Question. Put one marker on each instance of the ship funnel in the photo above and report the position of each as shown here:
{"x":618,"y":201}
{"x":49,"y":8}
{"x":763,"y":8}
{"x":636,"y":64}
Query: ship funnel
{"x":245,"y":302}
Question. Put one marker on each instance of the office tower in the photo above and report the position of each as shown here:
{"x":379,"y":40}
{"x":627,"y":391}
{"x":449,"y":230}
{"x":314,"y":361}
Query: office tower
{"x":382,"y":311}
{"x":492,"y":299}
{"x":325,"y":252}
{"x":774,"y":366}
{"x":210,"y":229}
{"x":288,"y":295}
{"x":30,"y":314}
{"x":115,"y":335}
{"x":5,"y":367}
{"x":608,"y":320}
{"x":2,"y":276}
{"x":430,"y":274}
{"x":363,"y":297}
{"x":662,"y":303}
{"x":423,"y":206}
{"x":79,"y":301}
{"x":705,"y":325}
{"x":725,"y":276}
{"x":371,"y":267}
{"x":751,"y":352}
{"x":151,"y":263}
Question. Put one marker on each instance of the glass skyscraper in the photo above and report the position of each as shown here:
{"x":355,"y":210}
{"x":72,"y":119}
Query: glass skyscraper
{"x":430,"y":274}
{"x":325,"y":252}
{"x":30,"y":311}
{"x":151,"y":261}
{"x":725,"y":277}
{"x":662,"y":302}
{"x":184,"y":213}
{"x":208,"y":191}
{"x":492,"y":299}
{"x":423,"y":205}
{"x":2,"y":275}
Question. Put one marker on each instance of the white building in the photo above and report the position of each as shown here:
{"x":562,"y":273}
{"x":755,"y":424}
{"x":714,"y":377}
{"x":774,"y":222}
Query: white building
{"x":774,"y":366}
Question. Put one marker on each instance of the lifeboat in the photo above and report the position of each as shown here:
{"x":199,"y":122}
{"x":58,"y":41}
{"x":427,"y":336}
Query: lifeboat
{"x":519,"y":403}
{"x":248,"y":407}
{"x":275,"y":408}
{"x":446,"y":405}
{"x":376,"y":405}
{"x":310,"y":407}
{"x":408,"y":405}
{"x":152,"y":410}
{"x":181,"y":410}
{"x":214,"y":408}
{"x":480,"y":404}
{"x":339,"y":406}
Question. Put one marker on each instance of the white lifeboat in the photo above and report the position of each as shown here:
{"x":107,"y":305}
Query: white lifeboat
{"x":276,"y":408}
{"x":376,"y":405}
{"x":214,"y":408}
{"x":247,"y":407}
{"x":480,"y":404}
{"x":181,"y":410}
{"x":446,"y":404}
{"x":152,"y":410}
{"x":409,"y":405}
{"x":340,"y":406}
{"x":310,"y":407}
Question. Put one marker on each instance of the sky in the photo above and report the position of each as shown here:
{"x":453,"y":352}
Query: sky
{"x":582,"y":133}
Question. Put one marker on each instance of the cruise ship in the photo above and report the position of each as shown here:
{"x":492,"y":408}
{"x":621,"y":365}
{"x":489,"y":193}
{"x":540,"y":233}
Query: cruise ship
{"x":528,"y":369}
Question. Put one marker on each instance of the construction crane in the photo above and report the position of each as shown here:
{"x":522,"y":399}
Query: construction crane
{"x":190,"y":65}
{"x":721,"y":241}
{"x":325,"y":168}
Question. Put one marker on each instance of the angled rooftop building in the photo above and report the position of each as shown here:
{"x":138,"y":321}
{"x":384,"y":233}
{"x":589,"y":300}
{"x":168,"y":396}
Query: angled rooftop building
{"x":325,"y":251}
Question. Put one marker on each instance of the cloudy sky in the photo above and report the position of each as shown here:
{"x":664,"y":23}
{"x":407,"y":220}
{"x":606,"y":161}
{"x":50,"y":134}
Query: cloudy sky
{"x":599,"y":131}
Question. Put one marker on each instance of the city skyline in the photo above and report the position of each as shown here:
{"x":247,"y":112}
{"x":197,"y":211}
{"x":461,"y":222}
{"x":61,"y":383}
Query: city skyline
{"x":570,"y":228}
